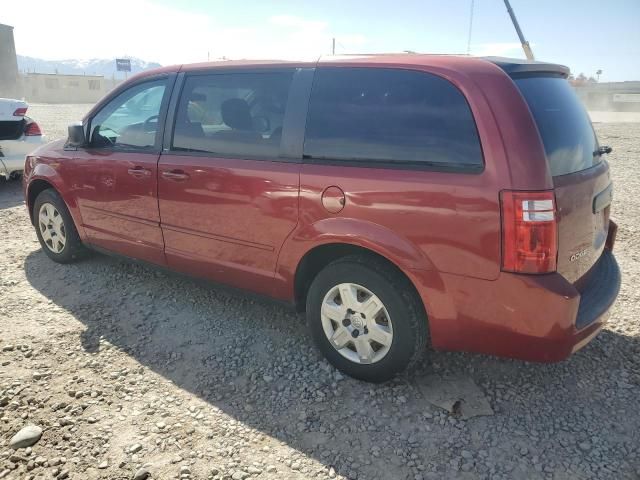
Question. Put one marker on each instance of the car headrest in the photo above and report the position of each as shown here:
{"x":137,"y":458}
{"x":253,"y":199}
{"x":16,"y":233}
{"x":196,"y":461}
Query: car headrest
{"x":235,"y":113}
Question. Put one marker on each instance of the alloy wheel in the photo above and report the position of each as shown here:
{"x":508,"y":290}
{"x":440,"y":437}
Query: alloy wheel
{"x":356,"y":323}
{"x":51,"y":225}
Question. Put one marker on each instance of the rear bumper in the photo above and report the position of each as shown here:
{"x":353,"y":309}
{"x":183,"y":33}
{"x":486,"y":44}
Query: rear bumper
{"x":600,"y":291}
{"x":541,"y":318}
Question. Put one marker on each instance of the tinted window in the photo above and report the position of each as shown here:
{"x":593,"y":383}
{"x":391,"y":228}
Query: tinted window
{"x":232,"y":114}
{"x":390,"y":115}
{"x":565,"y":128}
{"x":130,"y":120}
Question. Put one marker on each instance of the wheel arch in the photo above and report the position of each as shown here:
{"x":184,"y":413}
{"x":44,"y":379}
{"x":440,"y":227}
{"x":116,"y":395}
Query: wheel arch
{"x":315,"y":259}
{"x":44,"y":177}
{"x":35,"y":188}
{"x":315,"y":244}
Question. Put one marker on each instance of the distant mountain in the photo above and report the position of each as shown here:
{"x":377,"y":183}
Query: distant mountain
{"x":95,"y":66}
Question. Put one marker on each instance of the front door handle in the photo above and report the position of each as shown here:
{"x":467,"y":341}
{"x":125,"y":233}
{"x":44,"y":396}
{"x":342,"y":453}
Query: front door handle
{"x":139,"y":172}
{"x":175,"y":175}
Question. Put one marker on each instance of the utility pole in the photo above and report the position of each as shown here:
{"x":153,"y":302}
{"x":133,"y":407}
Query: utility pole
{"x":333,"y":46}
{"x":470,"y":27}
{"x":525,"y":45}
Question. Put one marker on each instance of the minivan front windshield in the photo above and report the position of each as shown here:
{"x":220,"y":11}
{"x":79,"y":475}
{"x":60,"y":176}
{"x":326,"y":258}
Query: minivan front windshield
{"x":564,"y":125}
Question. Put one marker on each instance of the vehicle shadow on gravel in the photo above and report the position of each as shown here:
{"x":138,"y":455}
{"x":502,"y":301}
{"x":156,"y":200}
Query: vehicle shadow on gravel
{"x":254,"y":361}
{"x":10,"y":193}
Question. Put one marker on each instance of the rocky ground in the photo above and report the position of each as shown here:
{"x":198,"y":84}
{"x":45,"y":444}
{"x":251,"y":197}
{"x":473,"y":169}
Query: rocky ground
{"x":131,"y":372}
{"x":54,"y":118}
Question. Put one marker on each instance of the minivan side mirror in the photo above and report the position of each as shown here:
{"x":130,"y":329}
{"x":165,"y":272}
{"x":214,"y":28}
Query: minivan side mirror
{"x":77,"y":138}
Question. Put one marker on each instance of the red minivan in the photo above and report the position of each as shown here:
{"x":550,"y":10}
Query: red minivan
{"x":399,"y":200}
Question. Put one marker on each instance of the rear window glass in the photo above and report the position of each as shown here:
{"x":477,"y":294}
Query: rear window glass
{"x":563,"y":123}
{"x":10,"y":130}
{"x":390,"y":115}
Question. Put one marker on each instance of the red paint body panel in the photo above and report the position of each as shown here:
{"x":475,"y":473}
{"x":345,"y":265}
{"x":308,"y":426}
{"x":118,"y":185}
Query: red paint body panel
{"x":421,"y":214}
{"x":250,"y":223}
{"x":119,"y":207}
{"x":55,"y":166}
{"x":228,"y":221}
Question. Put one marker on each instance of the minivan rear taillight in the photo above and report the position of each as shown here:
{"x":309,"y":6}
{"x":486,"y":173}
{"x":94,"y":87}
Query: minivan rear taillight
{"x":529,"y":231}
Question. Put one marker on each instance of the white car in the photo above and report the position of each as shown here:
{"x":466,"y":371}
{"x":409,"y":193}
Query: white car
{"x":19,"y":135}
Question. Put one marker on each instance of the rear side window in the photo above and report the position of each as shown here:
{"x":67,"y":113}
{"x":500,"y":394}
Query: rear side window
{"x":237,"y":114}
{"x":390,"y":116}
{"x":569,"y":140}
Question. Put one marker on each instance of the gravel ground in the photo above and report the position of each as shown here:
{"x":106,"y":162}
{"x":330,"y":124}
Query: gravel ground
{"x":125,"y":367}
{"x":55,"y":118}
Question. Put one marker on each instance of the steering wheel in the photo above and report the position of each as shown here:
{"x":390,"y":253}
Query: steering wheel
{"x":99,"y":139}
{"x":151,"y":124}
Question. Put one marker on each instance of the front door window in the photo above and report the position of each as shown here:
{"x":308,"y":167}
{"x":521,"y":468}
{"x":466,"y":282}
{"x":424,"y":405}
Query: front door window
{"x":130,"y":120}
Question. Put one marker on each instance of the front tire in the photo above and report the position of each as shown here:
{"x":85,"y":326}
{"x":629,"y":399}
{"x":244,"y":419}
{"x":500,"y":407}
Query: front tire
{"x":366,"y":319}
{"x":55,"y":228}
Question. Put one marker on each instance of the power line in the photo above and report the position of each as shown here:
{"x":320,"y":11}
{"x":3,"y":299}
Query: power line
{"x":470,"y":28}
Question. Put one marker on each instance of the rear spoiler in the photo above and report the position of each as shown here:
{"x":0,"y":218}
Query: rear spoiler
{"x":515,"y":67}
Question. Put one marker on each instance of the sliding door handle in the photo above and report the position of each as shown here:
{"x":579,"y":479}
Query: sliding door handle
{"x":139,"y":172}
{"x":175,"y":175}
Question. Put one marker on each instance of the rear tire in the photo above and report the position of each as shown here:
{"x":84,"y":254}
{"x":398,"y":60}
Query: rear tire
{"x":55,"y":228}
{"x":360,"y":300}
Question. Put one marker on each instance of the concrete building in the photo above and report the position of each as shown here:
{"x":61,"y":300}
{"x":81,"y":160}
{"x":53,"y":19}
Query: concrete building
{"x":614,"y":96}
{"x":9,"y":82}
{"x":55,"y":88}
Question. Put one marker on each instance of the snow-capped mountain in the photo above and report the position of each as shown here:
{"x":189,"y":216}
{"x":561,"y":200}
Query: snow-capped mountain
{"x":94,"y":66}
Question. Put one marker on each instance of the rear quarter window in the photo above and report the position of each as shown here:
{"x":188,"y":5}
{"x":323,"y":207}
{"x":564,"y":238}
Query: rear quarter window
{"x":569,"y":141}
{"x":390,"y":116}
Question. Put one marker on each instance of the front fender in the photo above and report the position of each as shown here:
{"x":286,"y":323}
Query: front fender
{"x":46,"y":172}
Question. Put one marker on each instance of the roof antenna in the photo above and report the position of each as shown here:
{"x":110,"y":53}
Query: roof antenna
{"x":470,"y":27}
{"x":525,"y":45}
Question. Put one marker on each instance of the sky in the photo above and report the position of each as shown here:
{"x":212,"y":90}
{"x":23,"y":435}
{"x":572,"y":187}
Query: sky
{"x":587,"y":35}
